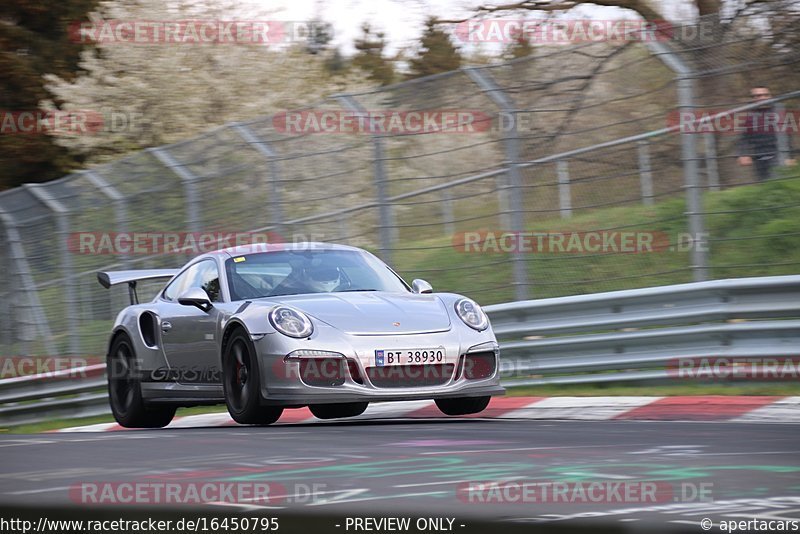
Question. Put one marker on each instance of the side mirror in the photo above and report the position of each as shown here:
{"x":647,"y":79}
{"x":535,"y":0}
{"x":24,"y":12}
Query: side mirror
{"x":420,"y":286}
{"x":195,"y":296}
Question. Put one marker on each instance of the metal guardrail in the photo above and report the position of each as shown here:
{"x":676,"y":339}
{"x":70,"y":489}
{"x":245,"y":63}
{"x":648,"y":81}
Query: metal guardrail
{"x":603,"y":337}
{"x":637,"y":334}
{"x":64,"y":394}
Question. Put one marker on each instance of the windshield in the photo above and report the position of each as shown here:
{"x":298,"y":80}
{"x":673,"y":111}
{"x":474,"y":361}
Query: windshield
{"x":294,"y":272}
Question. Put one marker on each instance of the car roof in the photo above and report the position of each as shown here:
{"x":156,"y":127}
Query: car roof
{"x":243,"y":250}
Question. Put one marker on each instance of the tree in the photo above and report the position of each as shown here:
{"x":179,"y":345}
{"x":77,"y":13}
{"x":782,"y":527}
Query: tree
{"x":522,"y":47}
{"x":319,"y":37}
{"x":370,"y":57}
{"x":704,"y":51}
{"x":652,"y":10}
{"x":34,"y":40}
{"x":169,"y":92}
{"x":437,"y":52}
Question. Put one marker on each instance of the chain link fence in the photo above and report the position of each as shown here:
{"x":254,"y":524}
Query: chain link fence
{"x":569,"y":157}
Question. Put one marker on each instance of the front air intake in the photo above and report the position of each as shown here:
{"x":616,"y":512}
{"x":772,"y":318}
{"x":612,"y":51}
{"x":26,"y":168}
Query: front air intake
{"x":479,"y":365}
{"x":410,"y":376}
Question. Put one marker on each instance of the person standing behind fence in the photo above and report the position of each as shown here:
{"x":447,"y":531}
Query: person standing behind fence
{"x":759,"y":143}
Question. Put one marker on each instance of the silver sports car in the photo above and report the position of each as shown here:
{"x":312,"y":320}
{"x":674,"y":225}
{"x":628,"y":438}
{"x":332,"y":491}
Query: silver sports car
{"x":268,"y":327}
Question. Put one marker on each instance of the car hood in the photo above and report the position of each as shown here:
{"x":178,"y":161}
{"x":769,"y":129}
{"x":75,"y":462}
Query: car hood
{"x":374,"y":313}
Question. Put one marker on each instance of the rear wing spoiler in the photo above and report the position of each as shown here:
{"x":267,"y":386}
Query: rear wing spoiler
{"x":113,"y":278}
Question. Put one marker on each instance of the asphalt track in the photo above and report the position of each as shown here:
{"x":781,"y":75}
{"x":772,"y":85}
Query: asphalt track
{"x":395,"y":467}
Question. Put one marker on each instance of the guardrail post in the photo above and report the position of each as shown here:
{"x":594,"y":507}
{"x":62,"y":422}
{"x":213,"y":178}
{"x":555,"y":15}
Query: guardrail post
{"x":26,"y":287}
{"x":645,"y":172}
{"x":387,"y":229}
{"x":61,"y":214}
{"x":189,"y":184}
{"x":692,"y":185}
{"x":517,"y":216}
{"x":564,"y":193}
{"x":274,"y":175}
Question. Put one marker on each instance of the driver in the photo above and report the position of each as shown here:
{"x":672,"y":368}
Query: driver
{"x":322,"y":278}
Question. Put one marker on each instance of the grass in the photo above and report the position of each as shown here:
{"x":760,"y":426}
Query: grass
{"x":46,"y":426}
{"x":752,"y":231}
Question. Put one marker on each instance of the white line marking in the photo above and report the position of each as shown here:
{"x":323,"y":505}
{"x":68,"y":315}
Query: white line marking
{"x":554,"y":447}
{"x":380,"y":497}
{"x":455,"y":482}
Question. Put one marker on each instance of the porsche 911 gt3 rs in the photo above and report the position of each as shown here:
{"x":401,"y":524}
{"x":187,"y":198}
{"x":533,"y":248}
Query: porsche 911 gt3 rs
{"x":263,"y":328}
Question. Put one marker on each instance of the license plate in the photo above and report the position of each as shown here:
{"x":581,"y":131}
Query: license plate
{"x":409,"y":356}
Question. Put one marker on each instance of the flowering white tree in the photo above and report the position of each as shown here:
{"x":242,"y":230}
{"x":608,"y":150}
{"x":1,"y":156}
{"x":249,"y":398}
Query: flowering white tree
{"x":168,"y":91}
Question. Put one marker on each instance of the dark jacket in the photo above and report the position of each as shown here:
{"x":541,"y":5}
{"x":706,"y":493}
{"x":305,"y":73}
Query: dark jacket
{"x":758,"y":141}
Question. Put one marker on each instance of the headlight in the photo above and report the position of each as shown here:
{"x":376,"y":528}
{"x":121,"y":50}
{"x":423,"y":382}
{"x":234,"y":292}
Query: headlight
{"x":291,"y":322}
{"x":472,"y":314}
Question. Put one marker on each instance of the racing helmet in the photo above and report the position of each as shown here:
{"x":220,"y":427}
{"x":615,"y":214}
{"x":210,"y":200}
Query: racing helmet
{"x":323,"y":278}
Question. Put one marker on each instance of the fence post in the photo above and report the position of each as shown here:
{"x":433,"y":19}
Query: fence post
{"x":564,"y":193}
{"x":189,"y":184}
{"x":119,"y":202}
{"x":387,"y":229}
{"x":645,"y":172}
{"x":263,"y":148}
{"x":784,"y":146}
{"x":694,"y":190}
{"x":26,"y":287}
{"x":61,"y":215}
{"x":692,"y":185}
{"x":517,"y":217}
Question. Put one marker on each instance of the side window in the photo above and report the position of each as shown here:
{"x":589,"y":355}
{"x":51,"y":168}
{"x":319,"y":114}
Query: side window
{"x":207,"y":277}
{"x":204,"y":275}
{"x":179,"y":285}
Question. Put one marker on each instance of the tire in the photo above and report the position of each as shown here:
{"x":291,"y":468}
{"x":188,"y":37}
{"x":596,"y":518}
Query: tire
{"x":125,"y":390}
{"x":240,"y":383}
{"x":462,"y":405}
{"x":336,"y":411}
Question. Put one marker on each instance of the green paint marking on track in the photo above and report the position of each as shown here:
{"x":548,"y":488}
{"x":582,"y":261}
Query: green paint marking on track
{"x":439,"y":467}
{"x":662,"y":472}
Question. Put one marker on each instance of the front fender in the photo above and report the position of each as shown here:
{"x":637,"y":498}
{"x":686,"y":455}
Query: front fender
{"x":253,"y":317}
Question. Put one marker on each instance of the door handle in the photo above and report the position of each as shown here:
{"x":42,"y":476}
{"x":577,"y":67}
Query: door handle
{"x":166,"y":326}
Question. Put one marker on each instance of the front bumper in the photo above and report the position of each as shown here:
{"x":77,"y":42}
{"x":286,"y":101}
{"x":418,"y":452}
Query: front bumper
{"x":282,"y":385}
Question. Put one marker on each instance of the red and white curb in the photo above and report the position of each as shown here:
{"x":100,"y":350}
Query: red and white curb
{"x":698,"y":408}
